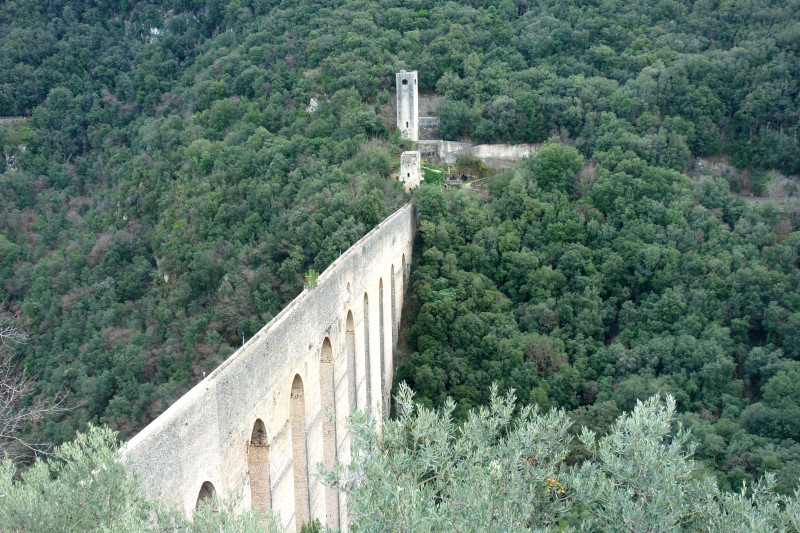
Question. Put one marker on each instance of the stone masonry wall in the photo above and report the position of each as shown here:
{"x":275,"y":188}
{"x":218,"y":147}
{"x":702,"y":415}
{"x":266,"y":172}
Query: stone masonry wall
{"x":407,"y":95}
{"x":207,"y":435}
{"x":429,"y":128}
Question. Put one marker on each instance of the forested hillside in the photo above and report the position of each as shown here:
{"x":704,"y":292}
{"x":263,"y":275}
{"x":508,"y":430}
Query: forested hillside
{"x":169,"y":188}
{"x":591,"y":297}
{"x":170,"y":197}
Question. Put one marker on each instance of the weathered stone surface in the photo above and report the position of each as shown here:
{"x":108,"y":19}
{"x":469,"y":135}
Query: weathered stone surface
{"x":499,"y":156}
{"x":503,"y":155}
{"x":429,"y":128}
{"x":439,"y":149}
{"x":313,"y":104}
{"x":430,"y":104}
{"x":211,"y":434}
{"x":408,"y":104}
{"x":410,"y":170}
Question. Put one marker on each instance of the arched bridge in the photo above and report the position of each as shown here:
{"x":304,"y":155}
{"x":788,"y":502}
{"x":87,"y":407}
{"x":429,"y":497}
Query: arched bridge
{"x":256,"y":427}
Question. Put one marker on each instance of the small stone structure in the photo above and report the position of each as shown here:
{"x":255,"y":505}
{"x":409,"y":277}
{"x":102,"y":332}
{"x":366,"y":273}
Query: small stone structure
{"x":258,"y":425}
{"x":408,"y":104}
{"x":410,"y":170}
{"x":409,"y":123}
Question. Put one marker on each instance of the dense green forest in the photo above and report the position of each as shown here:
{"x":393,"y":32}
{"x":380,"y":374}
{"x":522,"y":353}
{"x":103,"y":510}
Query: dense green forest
{"x":170,"y":197}
{"x":589,"y":296}
{"x":169,"y":189}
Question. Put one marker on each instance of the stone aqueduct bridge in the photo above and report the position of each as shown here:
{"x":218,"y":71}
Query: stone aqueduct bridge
{"x":256,"y":427}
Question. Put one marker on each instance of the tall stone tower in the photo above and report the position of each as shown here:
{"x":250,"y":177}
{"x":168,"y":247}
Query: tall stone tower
{"x":408,"y":104}
{"x":410,"y":170}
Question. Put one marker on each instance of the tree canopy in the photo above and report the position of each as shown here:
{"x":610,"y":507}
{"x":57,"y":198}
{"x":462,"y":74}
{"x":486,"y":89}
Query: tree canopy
{"x":589,"y":288}
{"x":505,"y":468}
{"x":169,"y":186}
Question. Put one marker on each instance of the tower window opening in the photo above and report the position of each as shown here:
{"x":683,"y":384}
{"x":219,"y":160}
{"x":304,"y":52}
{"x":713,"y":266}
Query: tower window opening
{"x":409,"y":174}
{"x":406,"y":124}
{"x":405,"y":82}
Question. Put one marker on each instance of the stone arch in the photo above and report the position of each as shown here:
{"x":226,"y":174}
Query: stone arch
{"x":207,"y":492}
{"x":367,"y":365}
{"x":350,"y":351}
{"x":327,"y":391}
{"x":382,"y":338}
{"x":405,"y":274}
{"x":258,"y":467}
{"x":297,"y":410}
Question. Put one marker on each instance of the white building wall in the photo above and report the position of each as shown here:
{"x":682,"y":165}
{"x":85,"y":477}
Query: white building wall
{"x":408,"y":104}
{"x":410,"y":170}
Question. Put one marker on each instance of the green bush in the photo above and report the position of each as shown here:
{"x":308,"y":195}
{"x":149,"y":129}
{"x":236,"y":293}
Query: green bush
{"x":85,"y":487}
{"x":506,"y":468}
